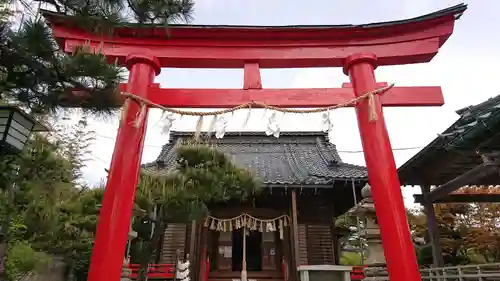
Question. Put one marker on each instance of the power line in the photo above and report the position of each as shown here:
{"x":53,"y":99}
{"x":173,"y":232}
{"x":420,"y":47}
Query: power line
{"x":339,"y":151}
{"x":100,"y":159}
{"x":394,"y":149}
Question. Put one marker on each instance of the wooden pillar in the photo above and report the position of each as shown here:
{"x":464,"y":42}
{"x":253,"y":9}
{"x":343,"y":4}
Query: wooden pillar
{"x":437,"y":253}
{"x":194,"y":258}
{"x":335,"y":245}
{"x":192,"y":240}
{"x":295,"y":224}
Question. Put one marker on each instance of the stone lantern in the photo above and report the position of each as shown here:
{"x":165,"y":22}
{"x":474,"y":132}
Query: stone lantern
{"x":365,"y":210}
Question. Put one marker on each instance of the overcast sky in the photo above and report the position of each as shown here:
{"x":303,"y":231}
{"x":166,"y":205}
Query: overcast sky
{"x":465,"y":68}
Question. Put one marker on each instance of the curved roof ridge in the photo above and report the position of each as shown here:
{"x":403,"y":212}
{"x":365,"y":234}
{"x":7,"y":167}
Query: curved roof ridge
{"x":294,"y":165}
{"x":456,"y":11}
{"x":323,"y":145}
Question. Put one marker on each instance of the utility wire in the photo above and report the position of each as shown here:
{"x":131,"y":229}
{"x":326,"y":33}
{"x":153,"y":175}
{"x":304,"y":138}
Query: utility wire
{"x":339,"y":151}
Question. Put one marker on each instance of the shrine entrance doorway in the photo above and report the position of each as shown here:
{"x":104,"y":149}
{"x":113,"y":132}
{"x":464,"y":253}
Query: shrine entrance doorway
{"x":263,"y":251}
{"x":253,"y":247}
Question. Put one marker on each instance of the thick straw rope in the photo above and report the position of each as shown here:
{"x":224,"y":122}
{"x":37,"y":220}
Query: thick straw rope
{"x":145,"y":102}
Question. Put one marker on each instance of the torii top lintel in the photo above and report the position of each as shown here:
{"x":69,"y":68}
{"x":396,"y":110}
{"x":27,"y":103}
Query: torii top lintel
{"x":414,"y":40}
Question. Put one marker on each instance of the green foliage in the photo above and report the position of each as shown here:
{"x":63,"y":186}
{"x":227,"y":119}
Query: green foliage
{"x":51,"y":212}
{"x":350,"y":258}
{"x":203,"y":176}
{"x":36,"y":74}
{"x":22,"y":259}
{"x":468,"y":232}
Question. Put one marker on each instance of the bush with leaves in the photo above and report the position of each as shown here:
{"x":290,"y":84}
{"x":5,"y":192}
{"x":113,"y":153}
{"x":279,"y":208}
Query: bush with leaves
{"x":23,"y":259}
{"x":203,"y":176}
{"x":468,"y":232}
{"x":51,"y":211}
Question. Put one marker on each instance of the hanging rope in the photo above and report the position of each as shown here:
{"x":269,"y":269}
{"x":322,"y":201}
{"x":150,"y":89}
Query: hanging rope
{"x":143,"y":102}
{"x":248,"y":222}
{"x":244,"y":258}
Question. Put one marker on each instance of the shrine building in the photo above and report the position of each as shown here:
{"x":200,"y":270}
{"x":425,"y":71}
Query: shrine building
{"x":306,"y":186}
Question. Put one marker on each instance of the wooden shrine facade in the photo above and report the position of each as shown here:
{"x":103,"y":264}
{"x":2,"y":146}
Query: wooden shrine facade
{"x":306,"y":187}
{"x":358,"y":49}
{"x":467,"y":153}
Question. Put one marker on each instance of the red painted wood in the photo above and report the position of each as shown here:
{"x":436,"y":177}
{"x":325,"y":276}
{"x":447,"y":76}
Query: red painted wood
{"x":289,"y":98}
{"x":271,"y":47}
{"x":261,"y":35}
{"x":382,"y":173}
{"x":251,"y":77}
{"x":358,"y":273}
{"x":207,"y":269}
{"x":116,"y":211}
{"x":155,"y":271}
{"x":268,"y":57}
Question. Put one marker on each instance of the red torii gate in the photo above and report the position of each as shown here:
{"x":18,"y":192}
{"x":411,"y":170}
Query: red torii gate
{"x":358,"y":49}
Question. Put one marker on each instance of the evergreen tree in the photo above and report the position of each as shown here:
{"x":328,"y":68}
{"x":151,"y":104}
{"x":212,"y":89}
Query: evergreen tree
{"x":36,"y":74}
{"x":203,"y":176}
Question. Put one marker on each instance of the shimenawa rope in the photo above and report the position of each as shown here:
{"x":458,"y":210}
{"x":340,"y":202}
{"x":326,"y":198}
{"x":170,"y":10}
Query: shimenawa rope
{"x":145,"y":102}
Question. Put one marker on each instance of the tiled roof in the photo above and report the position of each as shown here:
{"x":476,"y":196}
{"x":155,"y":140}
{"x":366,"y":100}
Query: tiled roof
{"x":295,"y":158}
{"x":458,"y":149}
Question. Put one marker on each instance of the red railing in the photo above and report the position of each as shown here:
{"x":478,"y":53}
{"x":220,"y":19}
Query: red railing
{"x":204,"y":266}
{"x":207,"y":269}
{"x":358,"y":273}
{"x":284,"y":270}
{"x":167,"y":271}
{"x":155,"y":271}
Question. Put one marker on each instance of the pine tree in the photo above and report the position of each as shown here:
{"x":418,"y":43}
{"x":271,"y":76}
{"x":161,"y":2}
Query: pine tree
{"x":37,"y":75}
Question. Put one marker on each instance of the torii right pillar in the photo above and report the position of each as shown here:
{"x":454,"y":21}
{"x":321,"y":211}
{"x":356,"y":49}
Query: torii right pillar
{"x":382,"y":172}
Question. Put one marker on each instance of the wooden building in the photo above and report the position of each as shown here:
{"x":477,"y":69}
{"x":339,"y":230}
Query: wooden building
{"x":292,"y":221}
{"x":467,"y":153}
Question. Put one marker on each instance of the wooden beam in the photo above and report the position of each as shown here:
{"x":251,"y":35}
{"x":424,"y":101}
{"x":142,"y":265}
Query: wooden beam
{"x":471,"y":176}
{"x":288,"y":98}
{"x":417,"y":51}
{"x":295,"y":224}
{"x":414,"y":40}
{"x":432,"y":227}
{"x":462,"y":198}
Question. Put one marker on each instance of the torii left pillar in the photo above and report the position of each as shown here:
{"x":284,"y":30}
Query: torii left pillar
{"x":112,"y":232}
